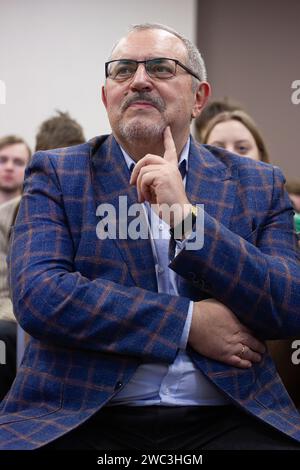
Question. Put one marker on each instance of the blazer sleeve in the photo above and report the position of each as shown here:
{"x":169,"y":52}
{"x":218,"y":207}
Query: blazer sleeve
{"x":259,"y":281}
{"x":55,"y":303}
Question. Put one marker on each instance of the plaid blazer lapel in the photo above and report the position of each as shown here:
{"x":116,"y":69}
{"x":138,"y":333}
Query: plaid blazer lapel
{"x":110,"y":176}
{"x":211,"y":182}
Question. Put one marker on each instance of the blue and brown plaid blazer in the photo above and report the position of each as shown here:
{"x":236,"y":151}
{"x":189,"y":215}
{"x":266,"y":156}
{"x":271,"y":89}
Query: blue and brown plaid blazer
{"x":91,"y":306}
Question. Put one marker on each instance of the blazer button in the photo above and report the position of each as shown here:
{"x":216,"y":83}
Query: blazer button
{"x":196,"y":281}
{"x":118,"y":385}
{"x":199,"y":283}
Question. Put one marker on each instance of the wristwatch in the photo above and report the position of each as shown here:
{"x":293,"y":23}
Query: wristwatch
{"x":185,"y":227}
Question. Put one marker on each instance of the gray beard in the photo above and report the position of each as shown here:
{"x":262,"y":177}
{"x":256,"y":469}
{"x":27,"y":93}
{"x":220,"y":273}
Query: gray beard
{"x":140,"y":131}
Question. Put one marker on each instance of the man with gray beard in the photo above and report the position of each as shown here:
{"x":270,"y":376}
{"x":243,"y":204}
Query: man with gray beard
{"x":151,"y":341}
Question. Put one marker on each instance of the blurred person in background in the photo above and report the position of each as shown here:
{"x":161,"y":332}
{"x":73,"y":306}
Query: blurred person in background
{"x":236,"y":132}
{"x":293,"y":188}
{"x":14,"y":156}
{"x":59,"y":131}
{"x":56,"y":132}
{"x":212,"y":109}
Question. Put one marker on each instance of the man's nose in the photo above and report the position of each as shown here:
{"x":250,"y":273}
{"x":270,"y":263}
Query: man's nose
{"x":141,"y":79}
{"x":9,"y":166}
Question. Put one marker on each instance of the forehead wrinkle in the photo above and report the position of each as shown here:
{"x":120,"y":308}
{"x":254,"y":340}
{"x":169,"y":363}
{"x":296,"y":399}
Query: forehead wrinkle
{"x":169,"y":46}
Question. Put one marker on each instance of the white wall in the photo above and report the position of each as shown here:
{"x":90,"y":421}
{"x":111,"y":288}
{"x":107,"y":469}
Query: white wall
{"x":52,"y":55}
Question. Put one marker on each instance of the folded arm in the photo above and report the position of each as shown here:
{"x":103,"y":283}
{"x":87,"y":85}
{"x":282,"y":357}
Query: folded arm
{"x":260,"y":283}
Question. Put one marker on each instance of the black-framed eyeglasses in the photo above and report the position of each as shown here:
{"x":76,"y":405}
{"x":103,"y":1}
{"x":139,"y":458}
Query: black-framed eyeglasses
{"x":161,"y":68}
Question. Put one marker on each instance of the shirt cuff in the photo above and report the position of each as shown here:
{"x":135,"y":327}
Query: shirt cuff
{"x":187,"y":326}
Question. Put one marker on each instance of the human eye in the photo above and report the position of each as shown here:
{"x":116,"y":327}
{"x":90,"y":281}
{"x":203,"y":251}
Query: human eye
{"x":243,"y":149}
{"x":123,"y":69}
{"x":19,"y":162}
{"x":162,"y":68}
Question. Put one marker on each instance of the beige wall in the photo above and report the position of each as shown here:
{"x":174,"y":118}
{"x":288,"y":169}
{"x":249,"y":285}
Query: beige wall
{"x":252,"y":52}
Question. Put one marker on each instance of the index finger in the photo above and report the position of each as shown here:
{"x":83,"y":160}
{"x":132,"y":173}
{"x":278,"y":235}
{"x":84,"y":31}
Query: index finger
{"x":170,"y":154}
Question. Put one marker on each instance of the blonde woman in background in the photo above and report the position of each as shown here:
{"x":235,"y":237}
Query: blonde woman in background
{"x":211,"y":110}
{"x":236,"y":132}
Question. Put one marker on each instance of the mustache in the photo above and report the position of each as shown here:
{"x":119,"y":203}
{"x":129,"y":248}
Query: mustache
{"x":156,"y":101}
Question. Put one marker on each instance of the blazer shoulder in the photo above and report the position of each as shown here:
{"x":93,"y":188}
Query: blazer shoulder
{"x":67,"y":158}
{"x":64,"y":154}
{"x":242,"y":166}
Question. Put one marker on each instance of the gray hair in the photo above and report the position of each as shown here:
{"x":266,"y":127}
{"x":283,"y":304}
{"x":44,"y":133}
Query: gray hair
{"x":195,"y":59}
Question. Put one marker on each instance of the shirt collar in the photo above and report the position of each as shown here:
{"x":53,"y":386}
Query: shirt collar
{"x":183,"y":156}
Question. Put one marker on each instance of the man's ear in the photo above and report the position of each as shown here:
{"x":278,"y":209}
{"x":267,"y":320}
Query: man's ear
{"x":104,"y":97}
{"x":201,"y":97}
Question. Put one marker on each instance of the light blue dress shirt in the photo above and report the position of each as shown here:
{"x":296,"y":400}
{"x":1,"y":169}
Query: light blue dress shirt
{"x":180,"y":383}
